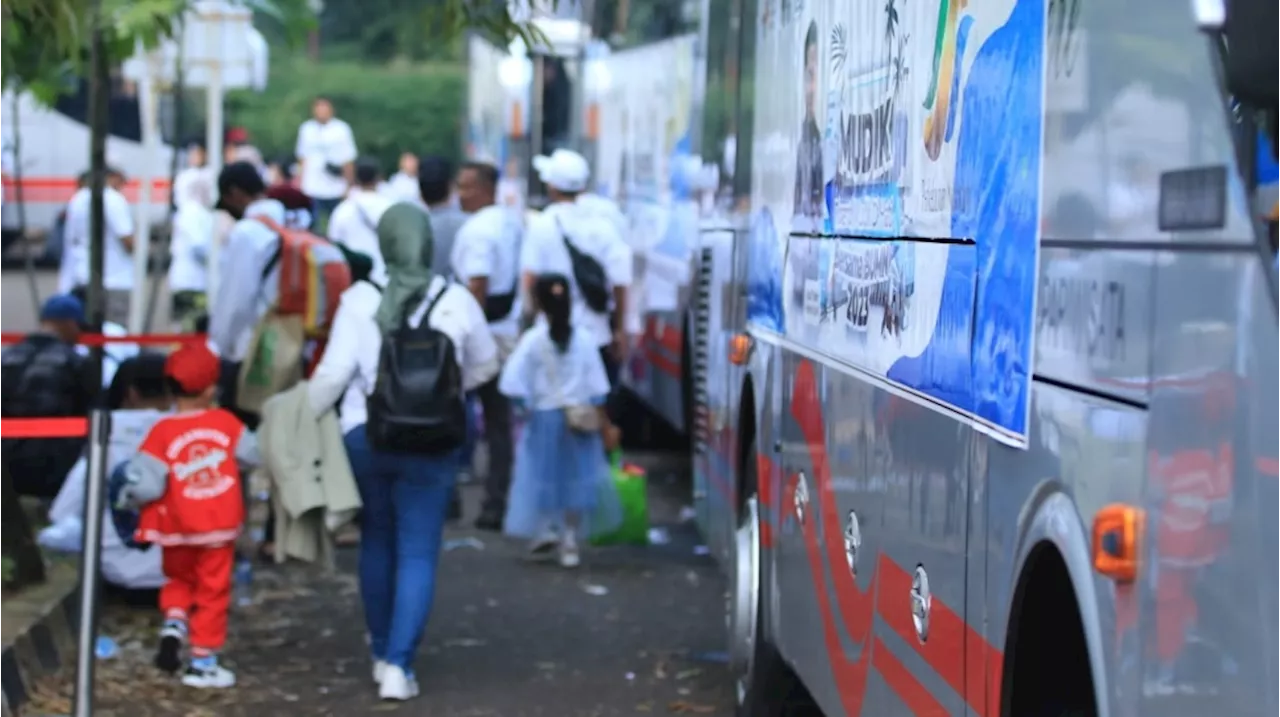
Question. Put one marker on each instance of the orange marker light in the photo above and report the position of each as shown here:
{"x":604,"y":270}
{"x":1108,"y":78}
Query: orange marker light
{"x":739,"y":349}
{"x":1117,"y":531}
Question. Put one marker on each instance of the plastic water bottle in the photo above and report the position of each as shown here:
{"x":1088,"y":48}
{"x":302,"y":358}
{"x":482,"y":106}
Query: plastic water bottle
{"x":243,"y":588}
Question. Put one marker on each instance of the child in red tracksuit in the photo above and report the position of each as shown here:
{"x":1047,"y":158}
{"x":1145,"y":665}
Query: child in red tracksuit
{"x":186,"y":477}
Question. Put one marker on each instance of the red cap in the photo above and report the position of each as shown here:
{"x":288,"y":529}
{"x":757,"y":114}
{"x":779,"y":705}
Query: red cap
{"x":237,"y":135}
{"x":194,"y":367}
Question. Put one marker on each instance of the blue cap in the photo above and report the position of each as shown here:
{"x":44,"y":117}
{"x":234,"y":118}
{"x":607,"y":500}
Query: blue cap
{"x":63,"y":307}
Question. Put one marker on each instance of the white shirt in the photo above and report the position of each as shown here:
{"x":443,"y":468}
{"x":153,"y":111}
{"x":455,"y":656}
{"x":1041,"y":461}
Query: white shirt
{"x":189,"y":248}
{"x":349,"y":367}
{"x":116,"y":354}
{"x":544,"y":252}
{"x":401,"y":187}
{"x":545,"y":378}
{"x":319,"y":145}
{"x":354,"y":224}
{"x":243,"y":294}
{"x":606,"y":208}
{"x":118,"y":266}
{"x":488,"y":245}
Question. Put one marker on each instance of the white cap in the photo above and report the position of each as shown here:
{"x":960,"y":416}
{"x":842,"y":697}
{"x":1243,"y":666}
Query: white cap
{"x":565,"y":170}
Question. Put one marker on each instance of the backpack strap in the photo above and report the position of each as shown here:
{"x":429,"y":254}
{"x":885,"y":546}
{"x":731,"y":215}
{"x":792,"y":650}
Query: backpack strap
{"x":274,"y":261}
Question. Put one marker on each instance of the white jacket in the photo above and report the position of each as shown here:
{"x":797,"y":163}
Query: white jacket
{"x":315,"y":490}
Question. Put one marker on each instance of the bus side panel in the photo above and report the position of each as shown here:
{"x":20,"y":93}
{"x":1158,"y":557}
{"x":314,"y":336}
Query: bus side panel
{"x":1209,"y":637}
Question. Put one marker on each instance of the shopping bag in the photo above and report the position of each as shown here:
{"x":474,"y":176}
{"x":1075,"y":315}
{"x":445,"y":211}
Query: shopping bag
{"x":631,"y":486}
{"x":273,"y":362}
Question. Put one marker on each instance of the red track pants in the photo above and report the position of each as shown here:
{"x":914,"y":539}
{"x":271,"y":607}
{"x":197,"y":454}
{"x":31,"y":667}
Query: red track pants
{"x":198,"y":590}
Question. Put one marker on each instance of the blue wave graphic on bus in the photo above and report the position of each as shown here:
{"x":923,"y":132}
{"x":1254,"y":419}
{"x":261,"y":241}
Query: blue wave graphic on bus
{"x":764,"y":274}
{"x":998,"y":166}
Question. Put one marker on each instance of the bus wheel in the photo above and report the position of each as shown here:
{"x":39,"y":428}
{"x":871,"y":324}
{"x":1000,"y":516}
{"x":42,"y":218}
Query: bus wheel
{"x":765,"y":685}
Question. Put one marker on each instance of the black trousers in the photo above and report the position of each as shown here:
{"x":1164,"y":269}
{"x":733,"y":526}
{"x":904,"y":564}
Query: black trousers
{"x":497,"y":431}
{"x":612,"y":370}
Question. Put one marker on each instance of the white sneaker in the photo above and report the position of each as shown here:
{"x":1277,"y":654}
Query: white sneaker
{"x":396,"y":685}
{"x":544,"y":545}
{"x":379,"y":669}
{"x":569,"y":557}
{"x":216,"y":677}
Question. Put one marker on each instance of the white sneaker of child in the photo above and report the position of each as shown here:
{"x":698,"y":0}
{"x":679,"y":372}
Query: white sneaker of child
{"x":209,"y":677}
{"x":379,"y":670}
{"x":569,"y":557}
{"x":397,"y":684}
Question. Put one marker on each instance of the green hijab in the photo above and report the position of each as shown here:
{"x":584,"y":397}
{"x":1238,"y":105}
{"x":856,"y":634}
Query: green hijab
{"x":405,"y":238}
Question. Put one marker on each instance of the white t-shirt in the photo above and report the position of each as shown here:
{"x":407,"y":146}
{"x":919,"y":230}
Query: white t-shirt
{"x":118,"y":267}
{"x":544,"y":252}
{"x":320,"y":145}
{"x":189,"y":248}
{"x":354,"y":224}
{"x":547,"y":379}
{"x":349,"y":367}
{"x":488,"y":245}
{"x":401,"y":188}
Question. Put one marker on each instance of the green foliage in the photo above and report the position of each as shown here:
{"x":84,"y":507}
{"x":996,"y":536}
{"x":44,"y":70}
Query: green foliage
{"x":391,"y":109}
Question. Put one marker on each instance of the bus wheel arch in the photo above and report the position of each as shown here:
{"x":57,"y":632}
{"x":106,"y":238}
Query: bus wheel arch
{"x":1053,"y":664}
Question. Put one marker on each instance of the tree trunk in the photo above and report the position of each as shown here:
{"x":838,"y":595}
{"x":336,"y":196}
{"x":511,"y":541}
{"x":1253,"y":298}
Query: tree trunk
{"x":17,"y":538}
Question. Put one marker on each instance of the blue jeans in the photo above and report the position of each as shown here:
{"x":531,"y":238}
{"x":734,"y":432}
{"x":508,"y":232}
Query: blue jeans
{"x":405,"y":498}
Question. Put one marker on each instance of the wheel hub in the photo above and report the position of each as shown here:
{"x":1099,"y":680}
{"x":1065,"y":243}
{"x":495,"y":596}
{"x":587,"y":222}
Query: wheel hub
{"x":744,"y":601}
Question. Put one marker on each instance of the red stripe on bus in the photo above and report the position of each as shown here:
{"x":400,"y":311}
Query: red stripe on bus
{"x":949,"y":635}
{"x":915,"y":695}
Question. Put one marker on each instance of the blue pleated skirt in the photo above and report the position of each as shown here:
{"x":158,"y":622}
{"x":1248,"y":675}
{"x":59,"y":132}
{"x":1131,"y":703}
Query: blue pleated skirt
{"x":559,"y":470}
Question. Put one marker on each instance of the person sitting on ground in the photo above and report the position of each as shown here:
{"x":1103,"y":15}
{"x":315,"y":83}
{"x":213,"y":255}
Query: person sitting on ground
{"x":138,"y":397}
{"x":46,"y":377}
{"x":560,"y":471}
{"x":186,"y":478}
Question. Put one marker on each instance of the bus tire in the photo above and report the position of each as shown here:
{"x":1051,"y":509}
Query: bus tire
{"x":765,"y":685}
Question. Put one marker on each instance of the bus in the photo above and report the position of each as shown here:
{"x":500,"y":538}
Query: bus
{"x":46,"y":149}
{"x":637,"y":129}
{"x":984,"y":342}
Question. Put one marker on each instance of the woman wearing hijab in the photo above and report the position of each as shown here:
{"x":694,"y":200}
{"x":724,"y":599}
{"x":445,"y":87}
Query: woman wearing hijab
{"x":405,"y":496}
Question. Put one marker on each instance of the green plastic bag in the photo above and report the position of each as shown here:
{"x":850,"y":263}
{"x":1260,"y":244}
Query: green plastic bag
{"x":632,"y":487}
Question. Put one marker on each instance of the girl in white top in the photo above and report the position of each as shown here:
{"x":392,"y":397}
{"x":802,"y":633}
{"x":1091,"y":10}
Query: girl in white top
{"x":404,"y":495}
{"x":561,"y":484}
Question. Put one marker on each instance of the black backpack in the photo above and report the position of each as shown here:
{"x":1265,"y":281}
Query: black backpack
{"x":417,"y":405}
{"x":588,"y":274}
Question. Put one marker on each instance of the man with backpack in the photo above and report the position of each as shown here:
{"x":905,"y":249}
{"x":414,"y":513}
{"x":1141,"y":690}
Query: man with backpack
{"x":244,"y":292}
{"x":571,"y":239}
{"x":45,"y":377}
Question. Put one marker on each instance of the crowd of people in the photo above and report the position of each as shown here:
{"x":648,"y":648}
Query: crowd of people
{"x":447,"y":301}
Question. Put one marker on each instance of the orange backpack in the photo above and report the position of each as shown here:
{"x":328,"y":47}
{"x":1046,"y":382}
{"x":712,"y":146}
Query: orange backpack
{"x":313,"y":275}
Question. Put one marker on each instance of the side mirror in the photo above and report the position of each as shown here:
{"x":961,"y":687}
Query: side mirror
{"x":1248,"y":30}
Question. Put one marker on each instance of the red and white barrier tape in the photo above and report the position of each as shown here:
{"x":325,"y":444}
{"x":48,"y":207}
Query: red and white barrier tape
{"x":101,"y":340}
{"x":44,"y":427}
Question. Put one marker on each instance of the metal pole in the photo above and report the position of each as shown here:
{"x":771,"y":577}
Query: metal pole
{"x":99,"y":92}
{"x":95,"y":493}
{"x":150,"y":148}
{"x":213,"y":130}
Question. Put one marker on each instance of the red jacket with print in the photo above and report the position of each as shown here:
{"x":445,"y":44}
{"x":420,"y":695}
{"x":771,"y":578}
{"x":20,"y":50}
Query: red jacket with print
{"x":202,"y":501}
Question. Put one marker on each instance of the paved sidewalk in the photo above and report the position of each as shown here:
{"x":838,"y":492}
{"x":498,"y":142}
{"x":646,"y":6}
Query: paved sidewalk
{"x":634,"y":631}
